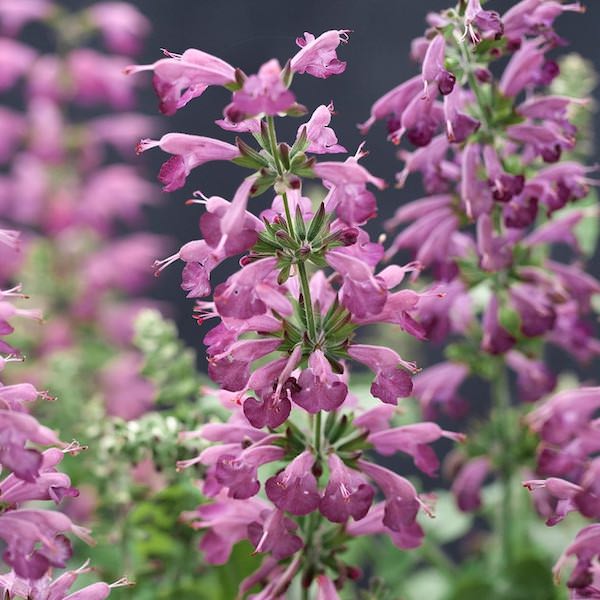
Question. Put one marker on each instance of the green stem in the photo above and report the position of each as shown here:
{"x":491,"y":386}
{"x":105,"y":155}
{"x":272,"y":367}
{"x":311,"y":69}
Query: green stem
{"x":484,"y":108}
{"x":288,"y":214}
{"x":318,"y":433}
{"x":502,"y":405}
{"x":438,"y":558}
{"x":308,"y":308}
{"x":273,"y":144}
{"x":305,"y":593}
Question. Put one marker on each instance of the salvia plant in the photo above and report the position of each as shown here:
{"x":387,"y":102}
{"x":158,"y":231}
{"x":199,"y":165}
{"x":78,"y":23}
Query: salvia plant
{"x":35,"y":538}
{"x":296,"y":474}
{"x":504,"y":184}
{"x":287,"y":331}
{"x":68,"y":183}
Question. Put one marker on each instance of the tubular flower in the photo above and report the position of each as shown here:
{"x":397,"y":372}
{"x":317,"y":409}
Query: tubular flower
{"x":317,"y":56}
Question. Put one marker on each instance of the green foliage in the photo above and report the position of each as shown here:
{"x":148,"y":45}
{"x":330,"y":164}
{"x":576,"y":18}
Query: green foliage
{"x":168,"y":363}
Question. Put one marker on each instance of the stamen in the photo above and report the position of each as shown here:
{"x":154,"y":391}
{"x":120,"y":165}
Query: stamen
{"x":160,"y":265}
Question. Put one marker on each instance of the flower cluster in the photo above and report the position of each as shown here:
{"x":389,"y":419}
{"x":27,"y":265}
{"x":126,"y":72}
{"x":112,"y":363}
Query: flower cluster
{"x":34,"y":538}
{"x":68,"y":127}
{"x":567,"y":459}
{"x":488,"y":144}
{"x":288,"y":322}
{"x":66,"y":164}
{"x":70,"y":190}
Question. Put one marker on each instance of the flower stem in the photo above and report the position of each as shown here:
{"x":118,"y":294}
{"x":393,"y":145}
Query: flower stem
{"x":305,"y":593}
{"x":288,"y":214}
{"x":273,"y":143}
{"x":438,"y":558}
{"x":484,"y":108}
{"x":502,"y":405}
{"x":318,"y":433}
{"x":308,"y":307}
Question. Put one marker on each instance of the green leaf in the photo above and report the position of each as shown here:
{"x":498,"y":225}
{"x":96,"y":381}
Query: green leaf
{"x":317,"y":222}
{"x":510,"y":320}
{"x":247,"y":162}
{"x":301,"y":144}
{"x":299,"y":223}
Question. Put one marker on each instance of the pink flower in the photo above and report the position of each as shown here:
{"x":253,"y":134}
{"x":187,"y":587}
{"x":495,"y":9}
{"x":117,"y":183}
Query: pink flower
{"x":418,"y":122}
{"x":182,"y":77}
{"x":393,"y":104}
{"x":122,"y":25}
{"x":546,"y":141}
{"x":317,"y":56}
{"x":459,"y":125}
{"x":15,"y":14}
{"x":240,"y":297}
{"x":295,"y":488}
{"x":239,"y":473}
{"x":322,"y":138}
{"x":561,"y":491}
{"x":407,"y":537}
{"x":534,"y":378}
{"x":487,"y":21}
{"x":434,"y":69}
{"x":431,"y":234}
{"x":413,"y":440}
{"x":48,"y":485}
{"x":522,"y":69}
{"x":530,"y":17}
{"x":190,"y":151}
{"x":561,"y":417}
{"x":231,"y":368}
{"x":401,"y":500}
{"x":98,"y":78}
{"x":585,"y":547}
{"x":474,"y":192}
{"x":227,"y":521}
{"x":496,"y":339}
{"x":317,"y":387}
{"x":468,"y":483}
{"x":15,"y":61}
{"x":127,"y":394}
{"x":271,"y":383}
{"x":274,"y":533}
{"x":24,"y":529}
{"x":347,"y":493}
{"x":534,"y":307}
{"x":438,"y":385}
{"x":16,"y":429}
{"x":361,"y":293}
{"x":392,"y":379}
{"x":348,"y":195}
{"x":261,"y":94}
{"x":326,"y":589}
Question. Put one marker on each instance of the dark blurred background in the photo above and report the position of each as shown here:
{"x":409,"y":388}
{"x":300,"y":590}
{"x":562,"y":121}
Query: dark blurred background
{"x":246,"y":34}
